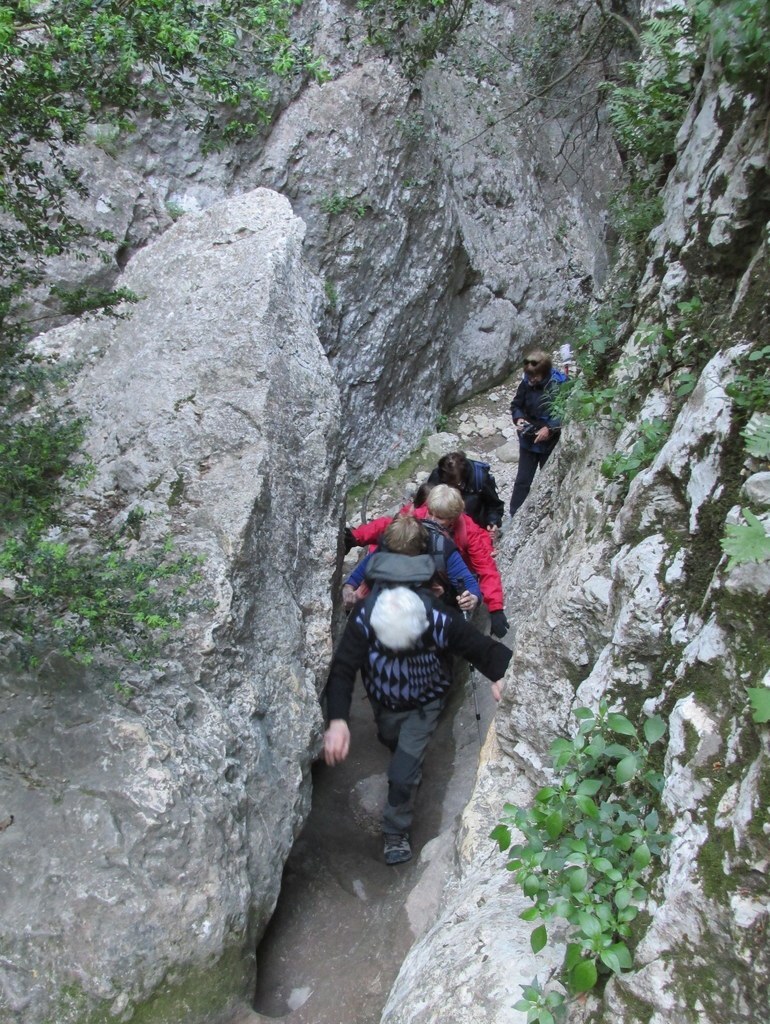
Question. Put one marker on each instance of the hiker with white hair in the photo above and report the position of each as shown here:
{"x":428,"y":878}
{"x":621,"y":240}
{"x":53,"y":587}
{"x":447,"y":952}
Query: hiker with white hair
{"x":400,"y":639}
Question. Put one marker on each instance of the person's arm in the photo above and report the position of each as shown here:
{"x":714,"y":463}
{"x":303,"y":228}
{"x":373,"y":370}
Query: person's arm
{"x":463,"y":581}
{"x":356,"y":578}
{"x":349,"y":657}
{"x":518,"y":412}
{"x":494,"y":509}
{"x":489,"y":656}
{"x":476,"y":549}
{"x":370,"y":533}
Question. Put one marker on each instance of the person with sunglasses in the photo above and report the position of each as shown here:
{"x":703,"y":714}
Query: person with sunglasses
{"x":538,"y":428}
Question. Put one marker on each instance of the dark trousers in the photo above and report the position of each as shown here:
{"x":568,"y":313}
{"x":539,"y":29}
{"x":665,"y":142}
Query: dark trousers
{"x":528,"y":463}
{"x":406,"y":733}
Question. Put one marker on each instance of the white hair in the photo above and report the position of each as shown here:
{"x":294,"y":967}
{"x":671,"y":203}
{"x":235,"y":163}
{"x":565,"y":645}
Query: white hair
{"x":399,"y":618}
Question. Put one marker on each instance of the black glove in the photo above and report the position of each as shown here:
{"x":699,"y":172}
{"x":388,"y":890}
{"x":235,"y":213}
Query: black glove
{"x":350,"y":540}
{"x":499,"y":623}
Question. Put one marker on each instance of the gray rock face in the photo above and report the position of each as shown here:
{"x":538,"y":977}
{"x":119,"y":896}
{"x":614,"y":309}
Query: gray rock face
{"x":445,"y":246}
{"x":629,"y":598}
{"x":149,"y":835}
{"x":440,"y":259}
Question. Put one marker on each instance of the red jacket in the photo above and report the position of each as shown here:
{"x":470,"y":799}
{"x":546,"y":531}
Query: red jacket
{"x":473,"y":543}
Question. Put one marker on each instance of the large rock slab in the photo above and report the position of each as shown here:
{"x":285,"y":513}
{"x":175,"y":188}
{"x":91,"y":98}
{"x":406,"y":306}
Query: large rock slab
{"x":149,"y":834}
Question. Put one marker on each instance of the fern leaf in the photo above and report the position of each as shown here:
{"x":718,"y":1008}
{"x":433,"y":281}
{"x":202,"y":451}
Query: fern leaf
{"x":757,"y":436}
{"x":746,"y":543}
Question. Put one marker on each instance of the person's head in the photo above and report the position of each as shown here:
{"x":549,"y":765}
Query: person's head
{"x":538,"y":365}
{"x":445,"y":505}
{"x":452,"y":469}
{"x":421,"y":494}
{"x":406,"y":536}
{"x":399,"y":618}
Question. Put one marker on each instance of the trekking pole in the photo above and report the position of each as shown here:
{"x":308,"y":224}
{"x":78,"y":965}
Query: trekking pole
{"x":467,"y":616}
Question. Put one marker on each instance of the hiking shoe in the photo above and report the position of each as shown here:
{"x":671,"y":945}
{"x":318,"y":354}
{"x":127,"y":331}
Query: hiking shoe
{"x":397,"y":848}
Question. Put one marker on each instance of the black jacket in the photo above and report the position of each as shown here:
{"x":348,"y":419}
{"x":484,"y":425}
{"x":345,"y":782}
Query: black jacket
{"x":420,"y":671}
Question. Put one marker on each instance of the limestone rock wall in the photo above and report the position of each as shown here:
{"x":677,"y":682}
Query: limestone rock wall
{"x":628,"y":597}
{"x":447,"y":237}
{"x":149,"y":834}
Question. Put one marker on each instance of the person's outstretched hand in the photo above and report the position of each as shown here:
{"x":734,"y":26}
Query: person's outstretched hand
{"x":336,"y":741}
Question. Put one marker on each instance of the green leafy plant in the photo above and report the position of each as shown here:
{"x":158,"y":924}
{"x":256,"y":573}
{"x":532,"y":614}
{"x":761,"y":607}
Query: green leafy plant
{"x":740,"y":38}
{"x":746,"y":543}
{"x":759,"y":696}
{"x":330,"y":291}
{"x":414,"y":31}
{"x":174,"y":210}
{"x":588,"y":841}
{"x":338,"y":203}
{"x":626,"y":465}
{"x":757,"y":436}
{"x":91,"y":601}
{"x":442,"y":421}
{"x":750,"y":391}
{"x":541,"y":1007}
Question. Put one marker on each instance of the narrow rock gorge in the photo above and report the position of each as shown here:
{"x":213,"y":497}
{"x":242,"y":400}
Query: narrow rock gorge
{"x":312,"y":303}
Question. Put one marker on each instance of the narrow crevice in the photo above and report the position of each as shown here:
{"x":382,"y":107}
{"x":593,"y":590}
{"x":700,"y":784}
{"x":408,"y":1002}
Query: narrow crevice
{"x":344,"y":920}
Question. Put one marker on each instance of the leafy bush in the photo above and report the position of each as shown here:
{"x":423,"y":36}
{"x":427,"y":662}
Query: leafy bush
{"x":749,"y":543}
{"x":339,"y":202}
{"x":740,"y":38}
{"x":626,"y":465}
{"x":67,"y":67}
{"x":588,"y":841}
{"x":83,"y":602}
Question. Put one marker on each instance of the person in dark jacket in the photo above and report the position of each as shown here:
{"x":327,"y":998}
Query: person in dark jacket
{"x":399,"y":639}
{"x":539,"y":429}
{"x":475,"y":482}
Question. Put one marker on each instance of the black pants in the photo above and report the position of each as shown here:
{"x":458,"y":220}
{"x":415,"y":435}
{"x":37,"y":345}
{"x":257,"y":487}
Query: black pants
{"x":528,"y":463}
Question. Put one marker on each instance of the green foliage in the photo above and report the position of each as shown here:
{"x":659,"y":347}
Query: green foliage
{"x":749,"y":543}
{"x":759,"y":696}
{"x":541,"y":1007}
{"x":740,"y":39}
{"x":330,"y":291}
{"x":442,"y":421}
{"x":626,"y":465}
{"x":338,"y":203}
{"x":757,"y":436}
{"x":414,"y":31}
{"x":174,"y":210}
{"x":37,"y":461}
{"x":647,"y":112}
{"x":74,"y":70}
{"x":750,"y":391}
{"x":412,"y":126}
{"x":588,"y":841}
{"x":74,"y":63}
{"x":86,"y":601}
{"x":646,"y":107}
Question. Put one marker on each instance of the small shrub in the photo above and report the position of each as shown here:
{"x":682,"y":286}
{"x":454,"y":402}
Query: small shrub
{"x":588,"y":841}
{"x":339,"y":203}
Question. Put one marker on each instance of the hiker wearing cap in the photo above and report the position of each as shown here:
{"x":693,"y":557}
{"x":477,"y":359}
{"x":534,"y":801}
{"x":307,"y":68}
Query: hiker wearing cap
{"x":399,"y":639}
{"x":532,"y":413}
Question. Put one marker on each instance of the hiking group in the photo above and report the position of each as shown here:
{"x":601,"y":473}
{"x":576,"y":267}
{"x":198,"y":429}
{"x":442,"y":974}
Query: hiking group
{"x":410,"y":597}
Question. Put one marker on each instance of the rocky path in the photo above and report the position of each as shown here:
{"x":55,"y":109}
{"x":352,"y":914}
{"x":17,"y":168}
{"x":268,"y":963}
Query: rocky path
{"x":345,"y":920}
